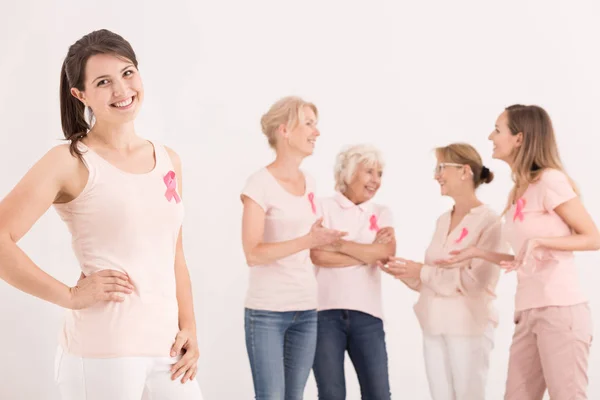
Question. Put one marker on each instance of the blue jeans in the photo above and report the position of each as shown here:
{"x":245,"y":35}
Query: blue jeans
{"x":363,"y":337}
{"x":281,"y":348}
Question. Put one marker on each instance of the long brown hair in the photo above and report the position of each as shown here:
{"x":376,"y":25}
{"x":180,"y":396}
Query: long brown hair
{"x":72,"y":75}
{"x":538,"y":150}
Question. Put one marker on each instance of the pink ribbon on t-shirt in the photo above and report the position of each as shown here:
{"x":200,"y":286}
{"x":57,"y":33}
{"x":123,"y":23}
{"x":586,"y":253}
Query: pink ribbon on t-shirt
{"x":519,"y":210}
{"x":171,"y":184}
{"x":311,"y":198}
{"x":373,"y":221}
{"x":463,"y":234}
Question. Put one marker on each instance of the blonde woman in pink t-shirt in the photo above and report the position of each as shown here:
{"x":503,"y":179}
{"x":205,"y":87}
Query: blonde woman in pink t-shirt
{"x":129,"y":326}
{"x":455,"y":307}
{"x":279,"y":227}
{"x":545,"y":223}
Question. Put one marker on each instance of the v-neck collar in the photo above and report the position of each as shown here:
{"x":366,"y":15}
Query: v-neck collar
{"x":473,"y":211}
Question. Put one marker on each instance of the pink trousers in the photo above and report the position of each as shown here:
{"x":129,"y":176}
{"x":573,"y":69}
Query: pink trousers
{"x":550,"y":350}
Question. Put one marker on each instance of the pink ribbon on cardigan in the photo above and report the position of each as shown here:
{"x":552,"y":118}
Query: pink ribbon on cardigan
{"x":463,"y":234}
{"x":171,"y":184}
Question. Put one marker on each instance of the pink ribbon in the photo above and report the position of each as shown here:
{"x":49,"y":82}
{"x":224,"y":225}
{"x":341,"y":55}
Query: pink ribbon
{"x":171,"y":184}
{"x":373,"y":221}
{"x":463,"y":234}
{"x":519,"y":210}
{"x":311,"y":198}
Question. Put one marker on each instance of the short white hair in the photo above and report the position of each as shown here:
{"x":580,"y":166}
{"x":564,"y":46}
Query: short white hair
{"x":349,"y":158}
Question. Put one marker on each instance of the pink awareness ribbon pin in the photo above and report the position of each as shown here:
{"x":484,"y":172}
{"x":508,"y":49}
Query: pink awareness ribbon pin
{"x":373,"y":221}
{"x":463,"y":234}
{"x":519,"y":210}
{"x":311,"y":198}
{"x":171,"y":184}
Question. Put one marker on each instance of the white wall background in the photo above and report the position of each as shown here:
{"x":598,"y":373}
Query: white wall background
{"x":406,"y":76}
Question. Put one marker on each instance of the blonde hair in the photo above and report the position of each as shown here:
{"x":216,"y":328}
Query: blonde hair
{"x":349,"y":158}
{"x":286,"y":111}
{"x":463,"y":153}
{"x":538,"y":150}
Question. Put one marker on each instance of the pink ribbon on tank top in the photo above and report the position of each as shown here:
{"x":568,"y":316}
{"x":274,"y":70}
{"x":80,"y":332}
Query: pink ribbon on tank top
{"x":519,"y":210}
{"x":463,"y":234}
{"x":311,"y":198}
{"x":171,"y":184}
{"x":373,"y":222}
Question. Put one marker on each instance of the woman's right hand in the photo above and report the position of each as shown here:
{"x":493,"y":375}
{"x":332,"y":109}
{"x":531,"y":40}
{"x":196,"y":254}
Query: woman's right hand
{"x":321,"y":236}
{"x":105,"y":285}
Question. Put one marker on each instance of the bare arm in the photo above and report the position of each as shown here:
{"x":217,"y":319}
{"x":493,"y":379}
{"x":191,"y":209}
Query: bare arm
{"x":51,"y":178}
{"x":330,"y":259}
{"x":367,"y":253}
{"x":259,"y":253}
{"x":185,"y":300}
{"x":585,"y":236}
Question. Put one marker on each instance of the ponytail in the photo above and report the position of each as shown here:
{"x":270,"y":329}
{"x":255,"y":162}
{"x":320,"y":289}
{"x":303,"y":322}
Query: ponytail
{"x":72,"y":114}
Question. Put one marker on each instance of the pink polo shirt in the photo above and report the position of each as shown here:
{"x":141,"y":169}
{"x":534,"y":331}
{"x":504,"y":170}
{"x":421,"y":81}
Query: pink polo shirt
{"x":357,"y":287}
{"x":552,"y":279}
{"x":287,"y":284}
{"x":459,"y":301}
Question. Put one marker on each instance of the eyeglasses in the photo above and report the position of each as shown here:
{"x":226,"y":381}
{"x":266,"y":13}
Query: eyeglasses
{"x":440,"y":167}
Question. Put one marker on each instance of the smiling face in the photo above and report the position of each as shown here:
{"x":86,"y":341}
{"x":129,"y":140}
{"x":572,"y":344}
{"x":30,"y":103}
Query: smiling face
{"x":449,"y":176}
{"x":112,"y":89}
{"x":365,"y":183}
{"x":302,"y":138}
{"x":505,"y":143}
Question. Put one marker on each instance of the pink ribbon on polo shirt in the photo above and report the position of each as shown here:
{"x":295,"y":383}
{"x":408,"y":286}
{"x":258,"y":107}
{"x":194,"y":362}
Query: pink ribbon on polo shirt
{"x":519,"y":210}
{"x":373,"y":221}
{"x":171,"y":184}
{"x":463,"y":234}
{"x":311,"y":198}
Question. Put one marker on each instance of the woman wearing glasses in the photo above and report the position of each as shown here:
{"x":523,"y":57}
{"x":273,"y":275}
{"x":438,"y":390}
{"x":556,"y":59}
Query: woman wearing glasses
{"x":455,"y":307}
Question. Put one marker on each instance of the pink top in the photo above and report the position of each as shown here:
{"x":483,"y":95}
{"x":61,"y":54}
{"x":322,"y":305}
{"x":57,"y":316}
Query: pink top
{"x":287,"y":284}
{"x":357,"y":287}
{"x":552,"y":280}
{"x":129,"y":223}
{"x":459,"y":301}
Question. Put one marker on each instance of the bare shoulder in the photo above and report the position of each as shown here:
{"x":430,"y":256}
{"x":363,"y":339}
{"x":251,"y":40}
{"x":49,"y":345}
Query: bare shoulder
{"x":62,"y":153}
{"x":60,"y":162}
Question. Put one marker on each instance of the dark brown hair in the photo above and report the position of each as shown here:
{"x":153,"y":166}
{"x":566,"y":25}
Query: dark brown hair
{"x":72,"y":75}
{"x":463,"y":153}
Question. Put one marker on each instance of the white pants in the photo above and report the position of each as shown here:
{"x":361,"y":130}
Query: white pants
{"x":125,"y":378}
{"x":457,"y":366}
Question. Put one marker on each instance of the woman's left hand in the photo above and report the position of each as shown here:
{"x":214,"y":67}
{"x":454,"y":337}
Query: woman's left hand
{"x":402,"y":268}
{"x":187,"y":342}
{"x":524,"y":257}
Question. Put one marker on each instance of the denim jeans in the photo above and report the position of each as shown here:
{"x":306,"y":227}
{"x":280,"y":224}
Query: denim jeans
{"x":281,"y":348}
{"x":360,"y":334}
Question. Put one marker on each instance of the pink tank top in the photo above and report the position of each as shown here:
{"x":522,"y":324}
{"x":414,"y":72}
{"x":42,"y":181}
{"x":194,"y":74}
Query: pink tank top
{"x":129,"y":223}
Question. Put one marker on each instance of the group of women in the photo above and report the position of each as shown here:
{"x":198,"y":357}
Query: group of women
{"x":315,"y":263}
